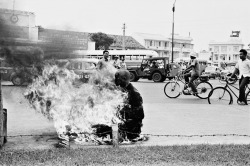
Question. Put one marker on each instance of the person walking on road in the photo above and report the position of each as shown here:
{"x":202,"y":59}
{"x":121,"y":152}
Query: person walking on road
{"x":243,"y":68}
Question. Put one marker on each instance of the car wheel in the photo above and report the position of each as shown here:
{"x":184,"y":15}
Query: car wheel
{"x":157,"y":77}
{"x":133,"y":77}
{"x":17,"y":80}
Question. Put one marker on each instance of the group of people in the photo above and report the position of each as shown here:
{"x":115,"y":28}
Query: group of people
{"x":116,"y":62}
{"x":242,"y":68}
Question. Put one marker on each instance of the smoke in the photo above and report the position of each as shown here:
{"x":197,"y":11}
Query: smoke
{"x":72,"y":105}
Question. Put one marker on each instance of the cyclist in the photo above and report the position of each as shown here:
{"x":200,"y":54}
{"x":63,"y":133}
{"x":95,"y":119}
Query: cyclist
{"x":194,"y":74}
{"x":243,"y":68}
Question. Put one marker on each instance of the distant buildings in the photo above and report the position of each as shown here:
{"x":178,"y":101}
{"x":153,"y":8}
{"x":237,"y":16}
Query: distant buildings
{"x":17,"y":28}
{"x":163,"y":45}
{"x":227,"y":51}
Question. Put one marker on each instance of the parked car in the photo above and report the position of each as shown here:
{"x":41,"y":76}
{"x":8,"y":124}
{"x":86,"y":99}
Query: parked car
{"x":83,"y":67}
{"x":212,"y":72}
{"x":17,"y":75}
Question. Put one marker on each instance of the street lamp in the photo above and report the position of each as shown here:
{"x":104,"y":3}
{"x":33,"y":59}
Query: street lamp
{"x":173,"y":9}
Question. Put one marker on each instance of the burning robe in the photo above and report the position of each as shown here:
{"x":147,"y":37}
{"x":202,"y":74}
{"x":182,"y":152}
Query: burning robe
{"x":77,"y":108}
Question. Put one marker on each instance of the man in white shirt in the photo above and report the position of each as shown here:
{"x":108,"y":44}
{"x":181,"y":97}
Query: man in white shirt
{"x":243,"y":68}
{"x":102,"y":63}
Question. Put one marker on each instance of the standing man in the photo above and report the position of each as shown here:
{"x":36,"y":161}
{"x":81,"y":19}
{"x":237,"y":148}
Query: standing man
{"x":123,"y":64}
{"x":132,"y":114}
{"x":243,"y":68}
{"x":116,"y":62}
{"x":101,"y":64}
{"x":195,"y":73}
{"x":106,"y":55}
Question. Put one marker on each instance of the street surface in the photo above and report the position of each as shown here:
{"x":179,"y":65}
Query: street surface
{"x":181,"y":121}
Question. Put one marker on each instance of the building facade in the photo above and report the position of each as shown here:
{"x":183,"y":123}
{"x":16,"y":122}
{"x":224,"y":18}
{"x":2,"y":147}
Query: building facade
{"x":163,"y":45}
{"x":226,"y":51}
{"x":18,"y":25}
{"x":18,"y":29}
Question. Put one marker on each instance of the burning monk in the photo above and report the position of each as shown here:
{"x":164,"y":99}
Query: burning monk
{"x":132,"y":113}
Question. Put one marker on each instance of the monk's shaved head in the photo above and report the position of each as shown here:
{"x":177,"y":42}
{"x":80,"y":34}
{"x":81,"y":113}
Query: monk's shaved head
{"x":122,"y":78}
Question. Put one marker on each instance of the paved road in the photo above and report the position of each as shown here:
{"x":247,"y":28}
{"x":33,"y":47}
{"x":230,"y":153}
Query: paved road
{"x":186,"y":116}
{"x":189,"y":115}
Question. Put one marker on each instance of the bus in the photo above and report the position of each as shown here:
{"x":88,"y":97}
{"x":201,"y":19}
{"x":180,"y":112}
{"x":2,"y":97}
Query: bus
{"x":132,"y":57}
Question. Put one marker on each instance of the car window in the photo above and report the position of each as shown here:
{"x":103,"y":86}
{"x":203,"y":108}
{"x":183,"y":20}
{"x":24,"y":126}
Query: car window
{"x":88,"y":66}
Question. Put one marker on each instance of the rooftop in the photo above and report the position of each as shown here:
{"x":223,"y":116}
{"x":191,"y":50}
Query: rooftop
{"x":130,"y":42}
{"x":161,"y":37}
{"x":231,"y":40}
{"x":3,"y":10}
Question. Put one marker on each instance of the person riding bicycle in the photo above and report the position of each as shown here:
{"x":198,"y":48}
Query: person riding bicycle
{"x":194,"y":74}
{"x":243,"y":68}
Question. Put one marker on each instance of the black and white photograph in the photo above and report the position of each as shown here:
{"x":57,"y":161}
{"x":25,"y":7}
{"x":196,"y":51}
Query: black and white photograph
{"x":125,"y":82}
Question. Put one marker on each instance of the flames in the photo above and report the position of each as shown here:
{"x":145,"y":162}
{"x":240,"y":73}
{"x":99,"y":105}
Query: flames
{"x":60,"y":96}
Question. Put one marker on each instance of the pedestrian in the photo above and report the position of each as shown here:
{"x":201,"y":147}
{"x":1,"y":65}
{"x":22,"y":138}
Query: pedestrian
{"x":195,"y":73}
{"x":123,"y":64}
{"x":102,"y":63}
{"x":132,"y":113}
{"x":243,"y":68}
{"x":116,"y":62}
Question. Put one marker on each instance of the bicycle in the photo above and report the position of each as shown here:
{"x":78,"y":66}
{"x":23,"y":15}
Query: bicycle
{"x":222,"y":79}
{"x":223,"y":95}
{"x":172,"y":89}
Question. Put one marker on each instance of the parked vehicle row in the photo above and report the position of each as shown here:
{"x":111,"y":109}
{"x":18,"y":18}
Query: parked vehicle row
{"x":157,"y":69}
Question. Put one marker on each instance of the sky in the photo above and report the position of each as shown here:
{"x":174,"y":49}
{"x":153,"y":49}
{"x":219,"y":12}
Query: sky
{"x":204,"y":20}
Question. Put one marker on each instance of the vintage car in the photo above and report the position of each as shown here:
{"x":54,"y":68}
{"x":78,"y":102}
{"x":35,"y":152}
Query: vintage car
{"x":83,"y":67}
{"x":212,"y":72}
{"x":17,"y":75}
{"x":157,"y":69}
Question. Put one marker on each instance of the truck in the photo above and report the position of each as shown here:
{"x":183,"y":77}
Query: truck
{"x":157,"y":69}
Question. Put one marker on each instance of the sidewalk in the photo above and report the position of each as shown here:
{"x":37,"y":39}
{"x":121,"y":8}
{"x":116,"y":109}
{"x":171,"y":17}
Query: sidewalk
{"x":165,"y":124}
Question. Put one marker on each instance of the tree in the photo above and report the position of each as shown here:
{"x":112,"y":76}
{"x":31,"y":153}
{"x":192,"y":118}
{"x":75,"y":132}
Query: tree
{"x":102,"y":40}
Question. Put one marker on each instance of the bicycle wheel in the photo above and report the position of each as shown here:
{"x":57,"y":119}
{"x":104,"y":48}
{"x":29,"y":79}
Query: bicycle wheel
{"x":220,"y":95}
{"x":248,"y":97}
{"x":172,"y":89}
{"x":203,"y":89}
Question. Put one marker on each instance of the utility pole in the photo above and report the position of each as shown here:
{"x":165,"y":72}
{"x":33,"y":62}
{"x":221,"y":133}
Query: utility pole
{"x":173,"y":9}
{"x":123,"y":38}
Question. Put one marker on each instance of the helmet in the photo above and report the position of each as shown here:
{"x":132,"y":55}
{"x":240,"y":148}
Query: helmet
{"x":193,"y":55}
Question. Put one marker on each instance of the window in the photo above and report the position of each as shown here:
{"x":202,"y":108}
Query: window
{"x":224,"y":49}
{"x":216,"y":57}
{"x":236,"y":48}
{"x":151,"y":43}
{"x":159,"y":44}
{"x":216,"y":49}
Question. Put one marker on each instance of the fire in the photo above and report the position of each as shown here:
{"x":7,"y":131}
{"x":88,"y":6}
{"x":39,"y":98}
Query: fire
{"x":73,"y":105}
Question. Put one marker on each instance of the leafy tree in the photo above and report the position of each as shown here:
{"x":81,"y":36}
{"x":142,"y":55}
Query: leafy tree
{"x":102,"y":40}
